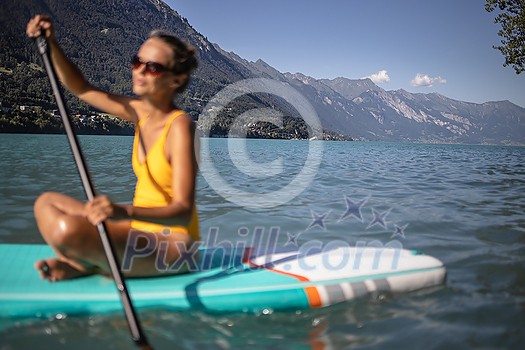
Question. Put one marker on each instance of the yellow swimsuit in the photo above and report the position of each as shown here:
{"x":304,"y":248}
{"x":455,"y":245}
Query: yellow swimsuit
{"x":154,"y":182}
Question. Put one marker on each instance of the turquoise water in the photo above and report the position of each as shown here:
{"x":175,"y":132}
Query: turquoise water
{"x":462,"y":204}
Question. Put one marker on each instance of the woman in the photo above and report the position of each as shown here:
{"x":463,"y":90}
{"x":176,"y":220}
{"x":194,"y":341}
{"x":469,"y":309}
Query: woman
{"x":163,"y":159}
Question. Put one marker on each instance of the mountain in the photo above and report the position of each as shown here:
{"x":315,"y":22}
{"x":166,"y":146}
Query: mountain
{"x":362,"y":109}
{"x":112,"y":31}
{"x":350,"y":88}
{"x":436,"y":118}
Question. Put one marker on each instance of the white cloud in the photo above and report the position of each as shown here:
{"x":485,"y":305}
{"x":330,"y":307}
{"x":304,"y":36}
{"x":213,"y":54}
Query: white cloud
{"x":426,"y":81}
{"x":379,"y":77}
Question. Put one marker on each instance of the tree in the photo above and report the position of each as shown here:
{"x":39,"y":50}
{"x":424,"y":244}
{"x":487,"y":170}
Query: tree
{"x":511,"y":16}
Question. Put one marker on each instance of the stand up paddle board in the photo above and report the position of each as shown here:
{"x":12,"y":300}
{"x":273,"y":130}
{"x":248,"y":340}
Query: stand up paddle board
{"x":225,"y":280}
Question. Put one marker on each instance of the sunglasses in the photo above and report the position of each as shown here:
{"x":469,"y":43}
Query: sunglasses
{"x":153,"y":68}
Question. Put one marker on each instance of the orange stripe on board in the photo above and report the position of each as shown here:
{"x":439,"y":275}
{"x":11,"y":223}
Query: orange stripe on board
{"x":314,"y":299}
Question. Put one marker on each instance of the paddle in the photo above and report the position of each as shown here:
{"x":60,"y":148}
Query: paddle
{"x":131,"y":316}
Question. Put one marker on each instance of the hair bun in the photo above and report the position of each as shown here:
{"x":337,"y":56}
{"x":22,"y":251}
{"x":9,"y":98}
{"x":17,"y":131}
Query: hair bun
{"x":184,"y":54}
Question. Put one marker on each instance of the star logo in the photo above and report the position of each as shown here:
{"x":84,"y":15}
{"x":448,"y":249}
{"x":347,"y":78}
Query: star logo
{"x":292,"y":239}
{"x":353,"y":209}
{"x":399,"y":231}
{"x":379,"y":218}
{"x":318,"y":220}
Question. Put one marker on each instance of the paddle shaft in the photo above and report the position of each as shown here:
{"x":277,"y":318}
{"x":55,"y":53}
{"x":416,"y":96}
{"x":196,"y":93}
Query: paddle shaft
{"x":131,"y":316}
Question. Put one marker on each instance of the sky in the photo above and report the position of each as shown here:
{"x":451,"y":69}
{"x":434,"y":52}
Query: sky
{"x":421,"y":46}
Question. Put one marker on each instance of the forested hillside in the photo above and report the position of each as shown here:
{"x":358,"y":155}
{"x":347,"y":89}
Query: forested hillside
{"x":111,"y":32}
{"x":102,"y":46}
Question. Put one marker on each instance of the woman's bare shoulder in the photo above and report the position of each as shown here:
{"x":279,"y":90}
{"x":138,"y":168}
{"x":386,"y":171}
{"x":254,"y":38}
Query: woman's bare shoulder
{"x":183,"y":122}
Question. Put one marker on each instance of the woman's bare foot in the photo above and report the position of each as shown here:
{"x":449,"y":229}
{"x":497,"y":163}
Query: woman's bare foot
{"x":56,"y":269}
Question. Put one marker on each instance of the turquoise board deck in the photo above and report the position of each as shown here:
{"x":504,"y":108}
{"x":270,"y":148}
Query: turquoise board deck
{"x":226,"y":281}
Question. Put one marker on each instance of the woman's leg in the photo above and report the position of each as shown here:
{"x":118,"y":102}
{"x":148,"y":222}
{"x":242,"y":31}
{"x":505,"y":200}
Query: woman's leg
{"x":77,"y":244}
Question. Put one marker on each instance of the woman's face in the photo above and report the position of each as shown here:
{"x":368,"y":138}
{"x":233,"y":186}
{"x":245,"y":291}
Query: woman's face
{"x":147,"y":83}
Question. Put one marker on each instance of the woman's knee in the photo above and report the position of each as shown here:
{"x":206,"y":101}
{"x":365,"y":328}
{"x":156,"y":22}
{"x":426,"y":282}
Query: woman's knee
{"x":43,"y":201}
{"x":56,"y":227}
{"x":60,"y":231}
{"x":44,"y":214}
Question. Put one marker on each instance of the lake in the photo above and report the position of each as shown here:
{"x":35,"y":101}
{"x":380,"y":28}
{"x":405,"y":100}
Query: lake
{"x":464,"y":204}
